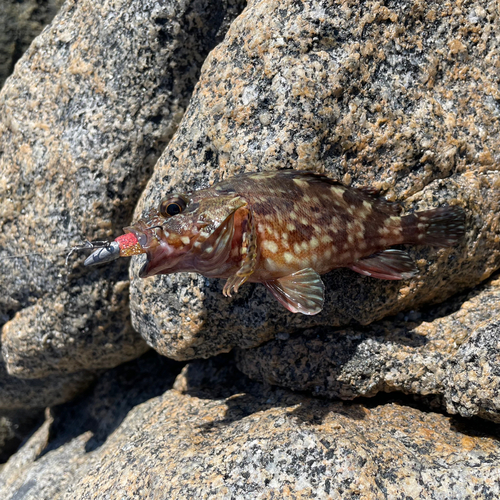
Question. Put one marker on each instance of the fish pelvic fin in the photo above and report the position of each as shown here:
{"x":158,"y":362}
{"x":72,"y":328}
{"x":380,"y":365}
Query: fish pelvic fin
{"x":301,"y":292}
{"x":441,"y":227}
{"x":390,"y":264}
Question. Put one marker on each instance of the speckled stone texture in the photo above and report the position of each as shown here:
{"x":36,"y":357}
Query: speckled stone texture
{"x":18,"y":394}
{"x":450,"y":354}
{"x":217,"y":435}
{"x":84,"y":117}
{"x":15,"y":426}
{"x":401,"y":96}
{"x":20,"y":22}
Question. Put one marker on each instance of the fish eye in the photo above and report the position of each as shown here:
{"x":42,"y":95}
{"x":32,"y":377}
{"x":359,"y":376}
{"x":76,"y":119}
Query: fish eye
{"x":172,"y":206}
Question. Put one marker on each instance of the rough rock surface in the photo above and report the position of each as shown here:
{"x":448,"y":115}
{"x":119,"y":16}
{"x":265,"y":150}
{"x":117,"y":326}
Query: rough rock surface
{"x":88,"y":110}
{"x":17,"y":394}
{"x":20,"y":22}
{"x":401,"y":96}
{"x":15,"y":426}
{"x":218,"y":435}
{"x":450,"y":354}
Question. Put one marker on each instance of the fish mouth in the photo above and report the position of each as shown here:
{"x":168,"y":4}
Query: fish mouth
{"x":159,"y":260}
{"x":157,"y":250}
{"x":146,"y":236}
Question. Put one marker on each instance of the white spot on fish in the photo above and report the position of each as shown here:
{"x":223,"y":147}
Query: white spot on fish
{"x":314,"y":243}
{"x":185,"y":240}
{"x":270,"y":245}
{"x":301,"y":183}
{"x":288,"y":257}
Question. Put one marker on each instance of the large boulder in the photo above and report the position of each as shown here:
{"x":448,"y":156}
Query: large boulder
{"x":87,"y":112}
{"x":449,"y":354}
{"x":216,"y":434}
{"x":402,"y":98}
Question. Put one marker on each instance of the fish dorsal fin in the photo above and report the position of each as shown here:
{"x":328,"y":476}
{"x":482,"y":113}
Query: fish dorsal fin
{"x":300,"y":292}
{"x":390,"y":264}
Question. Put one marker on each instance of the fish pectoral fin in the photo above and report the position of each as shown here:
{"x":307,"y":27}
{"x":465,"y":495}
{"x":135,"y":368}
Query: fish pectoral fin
{"x":301,"y":292}
{"x":248,"y":251}
{"x":390,"y":264}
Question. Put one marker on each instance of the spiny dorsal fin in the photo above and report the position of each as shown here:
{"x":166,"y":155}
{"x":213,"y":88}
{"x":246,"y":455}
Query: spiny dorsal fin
{"x":301,"y":292}
{"x":390,"y":264}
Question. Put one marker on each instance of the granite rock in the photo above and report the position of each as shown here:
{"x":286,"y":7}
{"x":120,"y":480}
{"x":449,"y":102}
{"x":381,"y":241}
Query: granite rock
{"x":15,"y":426}
{"x":21,"y":394}
{"x":449,"y":354}
{"x":88,"y":110}
{"x":76,"y":334}
{"x":400,"y":96}
{"x":219,"y":435}
{"x":20,"y":22}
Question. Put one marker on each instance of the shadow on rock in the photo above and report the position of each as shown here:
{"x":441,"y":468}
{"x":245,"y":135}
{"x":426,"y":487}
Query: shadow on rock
{"x":102,"y":409}
{"x":218,"y":378}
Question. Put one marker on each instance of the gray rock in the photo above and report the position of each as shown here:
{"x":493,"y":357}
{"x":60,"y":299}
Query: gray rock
{"x":19,"y":394}
{"x":88,"y":110}
{"x":472,"y":385}
{"x":20,"y":22}
{"x":76,"y":333}
{"x":15,"y":426}
{"x":382,"y":96}
{"x":218,"y":435}
{"x":449,"y":355}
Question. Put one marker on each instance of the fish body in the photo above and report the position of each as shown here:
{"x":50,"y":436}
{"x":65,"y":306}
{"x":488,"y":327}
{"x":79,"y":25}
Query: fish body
{"x":284,"y":229}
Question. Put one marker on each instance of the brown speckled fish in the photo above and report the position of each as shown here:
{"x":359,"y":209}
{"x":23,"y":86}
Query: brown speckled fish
{"x":282,"y":229}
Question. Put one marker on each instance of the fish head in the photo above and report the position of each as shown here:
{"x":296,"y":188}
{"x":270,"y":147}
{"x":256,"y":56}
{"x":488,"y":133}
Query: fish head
{"x":166,"y":234}
{"x":176,"y":235}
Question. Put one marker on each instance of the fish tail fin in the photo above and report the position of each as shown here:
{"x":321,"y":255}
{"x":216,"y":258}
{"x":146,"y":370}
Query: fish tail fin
{"x":441,"y":227}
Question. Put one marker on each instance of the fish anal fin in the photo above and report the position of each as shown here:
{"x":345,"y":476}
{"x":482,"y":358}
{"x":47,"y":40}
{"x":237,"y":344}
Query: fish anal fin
{"x":300,"y":292}
{"x":390,"y":264}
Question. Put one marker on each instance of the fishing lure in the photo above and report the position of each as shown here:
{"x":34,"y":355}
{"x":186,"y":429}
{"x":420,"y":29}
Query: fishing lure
{"x":282,"y":229}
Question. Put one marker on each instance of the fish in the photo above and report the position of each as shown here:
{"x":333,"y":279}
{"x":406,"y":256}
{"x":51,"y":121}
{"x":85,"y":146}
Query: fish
{"x":283,"y":229}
